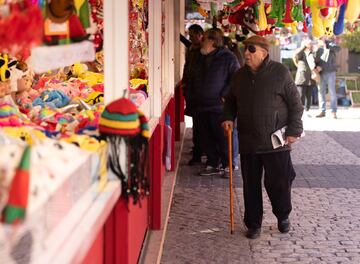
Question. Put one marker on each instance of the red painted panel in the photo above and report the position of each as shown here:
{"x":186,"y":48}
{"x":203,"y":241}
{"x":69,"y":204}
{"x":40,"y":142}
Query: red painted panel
{"x":131,"y":223}
{"x":179,"y":110}
{"x":109,"y":237}
{"x":156,"y":148}
{"x":171,"y":112}
{"x":96,"y":252}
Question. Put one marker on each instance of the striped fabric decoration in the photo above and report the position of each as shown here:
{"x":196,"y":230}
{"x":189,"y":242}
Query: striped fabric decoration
{"x":15,"y":209}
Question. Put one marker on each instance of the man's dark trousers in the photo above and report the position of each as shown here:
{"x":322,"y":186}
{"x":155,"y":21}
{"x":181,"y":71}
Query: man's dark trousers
{"x":212,"y":134}
{"x":278,"y":177}
{"x":198,"y":146}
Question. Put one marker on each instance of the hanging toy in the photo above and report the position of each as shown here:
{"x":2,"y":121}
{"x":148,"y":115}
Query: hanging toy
{"x":240,"y":4}
{"x":339,"y":24}
{"x":62,"y":25}
{"x":121,"y":122}
{"x":321,"y":25}
{"x":262,"y":16}
{"x":278,"y":11}
{"x":352,"y":10}
{"x":297,"y":11}
{"x":287,"y":17}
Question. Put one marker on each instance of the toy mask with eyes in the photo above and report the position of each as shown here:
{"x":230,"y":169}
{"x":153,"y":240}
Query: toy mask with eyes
{"x":59,"y":11}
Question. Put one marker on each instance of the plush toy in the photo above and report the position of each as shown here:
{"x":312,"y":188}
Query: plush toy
{"x":339,"y":24}
{"x":94,"y":98}
{"x":240,"y":4}
{"x":262,"y":16}
{"x":352,"y":10}
{"x":25,"y":99}
{"x":62,"y":25}
{"x":4,"y":71}
{"x":246,"y":19}
{"x":278,"y":11}
{"x":297,"y":11}
{"x":80,"y":71}
{"x":139,"y":85}
{"x":27,"y":134}
{"x":321,"y":26}
{"x":52,"y":99}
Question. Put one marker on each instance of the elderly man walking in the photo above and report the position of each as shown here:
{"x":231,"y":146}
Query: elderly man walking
{"x":265,"y":99}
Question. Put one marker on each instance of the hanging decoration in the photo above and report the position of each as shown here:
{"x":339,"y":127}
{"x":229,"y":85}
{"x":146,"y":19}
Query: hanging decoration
{"x":62,"y":25}
{"x":97,"y":15}
{"x":121,"y":122}
{"x":326,"y":17}
{"x":20,"y":28}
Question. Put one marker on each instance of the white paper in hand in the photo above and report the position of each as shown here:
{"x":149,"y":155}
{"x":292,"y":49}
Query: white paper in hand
{"x":278,"y":137}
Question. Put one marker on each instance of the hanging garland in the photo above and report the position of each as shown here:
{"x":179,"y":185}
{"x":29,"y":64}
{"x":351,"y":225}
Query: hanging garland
{"x":97,"y":15}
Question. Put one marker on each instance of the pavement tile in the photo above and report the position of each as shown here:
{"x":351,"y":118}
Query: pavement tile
{"x":325,"y":221}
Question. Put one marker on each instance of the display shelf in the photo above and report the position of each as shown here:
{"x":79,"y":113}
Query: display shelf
{"x":73,"y":238}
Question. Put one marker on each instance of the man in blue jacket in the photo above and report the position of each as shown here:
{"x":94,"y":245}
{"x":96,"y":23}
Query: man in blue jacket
{"x":210,"y":84}
{"x":264,"y":98}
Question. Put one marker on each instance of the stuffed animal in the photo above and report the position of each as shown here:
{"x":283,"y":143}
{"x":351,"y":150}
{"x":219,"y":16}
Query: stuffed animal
{"x":4,"y":71}
{"x":339,"y":24}
{"x":278,"y":11}
{"x":352,"y":10}
{"x":94,"y":98}
{"x":25,"y":99}
{"x":80,"y":71}
{"x":27,"y":134}
{"x":321,"y":25}
{"x":52,"y":99}
{"x":62,"y":25}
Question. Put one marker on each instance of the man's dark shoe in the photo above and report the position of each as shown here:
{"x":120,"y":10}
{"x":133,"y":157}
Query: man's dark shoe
{"x":194,"y":161}
{"x":208,"y":171}
{"x":253,"y":233}
{"x":322,"y":114}
{"x":284,"y":225}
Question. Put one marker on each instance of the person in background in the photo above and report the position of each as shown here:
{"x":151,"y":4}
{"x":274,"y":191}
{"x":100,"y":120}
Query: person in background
{"x":228,"y":43}
{"x":264,"y":98}
{"x":218,"y":66}
{"x":325,"y":59}
{"x":304,"y":60}
{"x":191,"y":69}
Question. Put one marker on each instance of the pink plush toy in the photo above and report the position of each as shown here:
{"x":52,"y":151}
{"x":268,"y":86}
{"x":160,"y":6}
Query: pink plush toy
{"x":25,"y":99}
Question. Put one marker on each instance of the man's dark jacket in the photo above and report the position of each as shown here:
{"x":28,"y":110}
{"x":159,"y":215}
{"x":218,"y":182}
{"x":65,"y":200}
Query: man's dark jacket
{"x":263,"y":103}
{"x":209,"y":80}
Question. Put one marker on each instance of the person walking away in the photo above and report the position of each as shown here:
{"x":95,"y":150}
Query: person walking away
{"x":210,"y":87}
{"x":305,"y":62}
{"x":325,"y":60}
{"x":264,"y":98}
{"x":191,"y":68}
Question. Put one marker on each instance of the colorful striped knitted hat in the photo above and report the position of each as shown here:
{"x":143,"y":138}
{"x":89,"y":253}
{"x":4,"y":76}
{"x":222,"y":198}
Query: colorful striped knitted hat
{"x":121,"y":117}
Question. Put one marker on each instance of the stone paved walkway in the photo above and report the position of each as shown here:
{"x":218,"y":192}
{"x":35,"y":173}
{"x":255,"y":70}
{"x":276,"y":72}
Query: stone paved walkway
{"x":326,"y":205}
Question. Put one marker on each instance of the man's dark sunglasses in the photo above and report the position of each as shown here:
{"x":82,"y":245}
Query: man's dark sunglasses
{"x":250,"y":48}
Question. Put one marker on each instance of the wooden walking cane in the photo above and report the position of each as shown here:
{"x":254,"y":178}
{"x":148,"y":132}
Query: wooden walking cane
{"x":229,"y":136}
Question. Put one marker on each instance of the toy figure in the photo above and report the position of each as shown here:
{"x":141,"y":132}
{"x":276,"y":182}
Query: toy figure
{"x":62,"y":25}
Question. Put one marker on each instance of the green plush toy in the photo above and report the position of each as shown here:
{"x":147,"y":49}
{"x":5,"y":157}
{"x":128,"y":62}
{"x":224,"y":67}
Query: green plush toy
{"x":278,"y":12}
{"x":297,"y":11}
